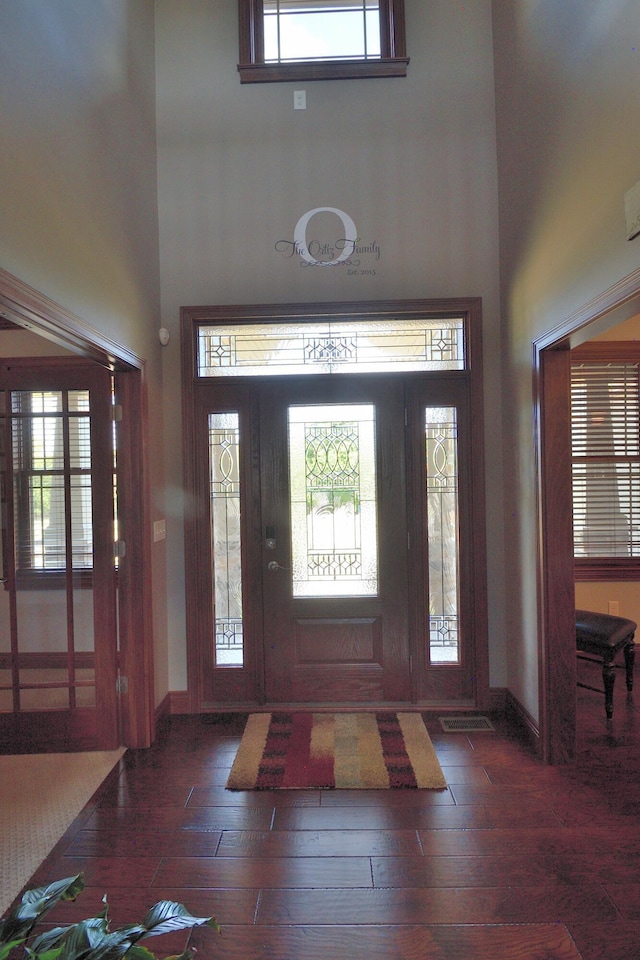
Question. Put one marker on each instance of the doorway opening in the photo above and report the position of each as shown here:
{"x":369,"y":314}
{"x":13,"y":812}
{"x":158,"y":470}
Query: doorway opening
{"x":112,"y":619}
{"x":556,"y":606}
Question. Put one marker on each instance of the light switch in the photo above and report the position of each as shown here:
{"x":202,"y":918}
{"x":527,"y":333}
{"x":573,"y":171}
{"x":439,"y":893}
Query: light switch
{"x":159,"y":530}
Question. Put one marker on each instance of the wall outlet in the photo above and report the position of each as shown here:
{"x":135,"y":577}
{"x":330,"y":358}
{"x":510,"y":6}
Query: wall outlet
{"x":159,"y":530}
{"x":299,"y":99}
{"x":614,"y":608}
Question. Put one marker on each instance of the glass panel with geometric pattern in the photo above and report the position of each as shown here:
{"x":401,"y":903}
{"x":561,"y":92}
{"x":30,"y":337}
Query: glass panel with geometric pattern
{"x":441,"y":440}
{"x":333,"y":500}
{"x":345,"y":347}
{"x":224,"y":478}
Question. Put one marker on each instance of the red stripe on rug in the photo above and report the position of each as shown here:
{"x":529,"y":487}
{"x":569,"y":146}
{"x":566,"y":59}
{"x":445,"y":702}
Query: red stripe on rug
{"x":303,"y":770}
{"x":274,"y":760}
{"x":394,"y":752}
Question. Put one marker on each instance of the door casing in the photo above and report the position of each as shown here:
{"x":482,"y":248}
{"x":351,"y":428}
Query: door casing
{"x":23,"y":306}
{"x":201,"y":396}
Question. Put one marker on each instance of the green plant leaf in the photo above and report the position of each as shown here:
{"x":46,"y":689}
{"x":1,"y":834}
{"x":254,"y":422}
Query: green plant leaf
{"x":166,"y":916}
{"x":35,"y":904}
{"x":6,"y":948}
{"x":48,"y":955}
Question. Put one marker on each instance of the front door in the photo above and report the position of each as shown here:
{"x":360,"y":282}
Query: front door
{"x":336,"y":538}
{"x":333,"y":506}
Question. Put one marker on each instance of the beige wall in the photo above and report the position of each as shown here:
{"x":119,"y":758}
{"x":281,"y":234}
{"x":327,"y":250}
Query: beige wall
{"x":78,"y":195}
{"x":411,"y":161}
{"x":568,"y":114}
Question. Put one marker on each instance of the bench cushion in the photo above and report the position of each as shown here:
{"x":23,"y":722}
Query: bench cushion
{"x":601,"y":633}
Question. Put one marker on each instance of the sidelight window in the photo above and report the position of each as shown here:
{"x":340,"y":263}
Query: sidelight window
{"x":224,"y":478}
{"x":441,"y":443}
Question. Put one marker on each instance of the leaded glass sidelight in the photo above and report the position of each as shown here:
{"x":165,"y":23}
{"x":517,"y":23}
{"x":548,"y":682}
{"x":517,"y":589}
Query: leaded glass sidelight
{"x":441,"y":445}
{"x":224,"y":478}
{"x":333,"y":500}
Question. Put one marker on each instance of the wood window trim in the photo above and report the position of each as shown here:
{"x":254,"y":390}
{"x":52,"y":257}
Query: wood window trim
{"x":607,"y":569}
{"x":393,"y":61}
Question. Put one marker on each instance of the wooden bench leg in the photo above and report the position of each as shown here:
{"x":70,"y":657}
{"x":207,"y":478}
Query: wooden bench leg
{"x":609,"y":679}
{"x":629,"y":659}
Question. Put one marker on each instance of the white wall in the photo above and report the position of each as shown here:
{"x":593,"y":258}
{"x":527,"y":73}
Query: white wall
{"x":412,"y":161}
{"x":567,"y":75}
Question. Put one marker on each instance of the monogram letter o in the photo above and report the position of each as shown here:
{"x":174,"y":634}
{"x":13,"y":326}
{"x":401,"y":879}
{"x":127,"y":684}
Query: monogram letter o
{"x":300,"y":236}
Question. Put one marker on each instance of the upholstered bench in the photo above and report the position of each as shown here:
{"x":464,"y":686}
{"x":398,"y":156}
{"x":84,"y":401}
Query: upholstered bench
{"x":603,"y":636}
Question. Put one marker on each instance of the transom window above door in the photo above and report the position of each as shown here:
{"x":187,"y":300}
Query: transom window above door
{"x":334,"y":346}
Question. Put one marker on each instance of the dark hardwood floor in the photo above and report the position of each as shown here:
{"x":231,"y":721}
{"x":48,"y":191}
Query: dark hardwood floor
{"x":514,"y":860}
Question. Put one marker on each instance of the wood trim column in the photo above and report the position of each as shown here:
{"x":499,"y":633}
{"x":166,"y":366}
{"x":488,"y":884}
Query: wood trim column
{"x":557,"y":643}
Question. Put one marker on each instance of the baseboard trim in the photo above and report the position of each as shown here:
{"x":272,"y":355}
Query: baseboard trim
{"x":162,"y":710}
{"x":178,"y":703}
{"x":528,"y":726}
{"x":497,"y":700}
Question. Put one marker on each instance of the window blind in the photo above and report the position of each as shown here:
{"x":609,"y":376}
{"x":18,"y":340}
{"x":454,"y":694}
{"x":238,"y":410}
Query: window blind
{"x":605,"y":433}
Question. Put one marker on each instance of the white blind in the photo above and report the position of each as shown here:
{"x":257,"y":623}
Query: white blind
{"x":605,"y":432}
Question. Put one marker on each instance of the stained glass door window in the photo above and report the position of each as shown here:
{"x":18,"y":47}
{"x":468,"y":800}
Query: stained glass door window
{"x":332,"y":347}
{"x":441,"y":440}
{"x":333,"y":500}
{"x":224,"y":477}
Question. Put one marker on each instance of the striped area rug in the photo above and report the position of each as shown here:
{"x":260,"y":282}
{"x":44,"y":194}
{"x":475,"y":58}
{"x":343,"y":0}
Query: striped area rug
{"x":348,"y":751}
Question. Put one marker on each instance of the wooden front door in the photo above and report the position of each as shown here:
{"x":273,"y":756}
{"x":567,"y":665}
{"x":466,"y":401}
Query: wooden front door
{"x":334,"y":551}
{"x":336,"y":540}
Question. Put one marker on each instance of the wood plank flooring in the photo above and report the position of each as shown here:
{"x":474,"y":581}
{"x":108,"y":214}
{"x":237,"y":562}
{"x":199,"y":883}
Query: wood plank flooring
{"x":515,"y":860}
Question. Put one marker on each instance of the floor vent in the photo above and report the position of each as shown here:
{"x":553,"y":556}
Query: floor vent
{"x":465,"y":724}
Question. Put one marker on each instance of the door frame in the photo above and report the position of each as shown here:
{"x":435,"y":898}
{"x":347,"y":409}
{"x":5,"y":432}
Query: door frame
{"x":23,"y":306}
{"x":470,"y":309}
{"x":554,"y":506}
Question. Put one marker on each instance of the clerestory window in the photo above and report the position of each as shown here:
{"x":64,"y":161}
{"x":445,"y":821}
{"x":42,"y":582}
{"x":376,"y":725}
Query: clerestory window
{"x":321,"y":39}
